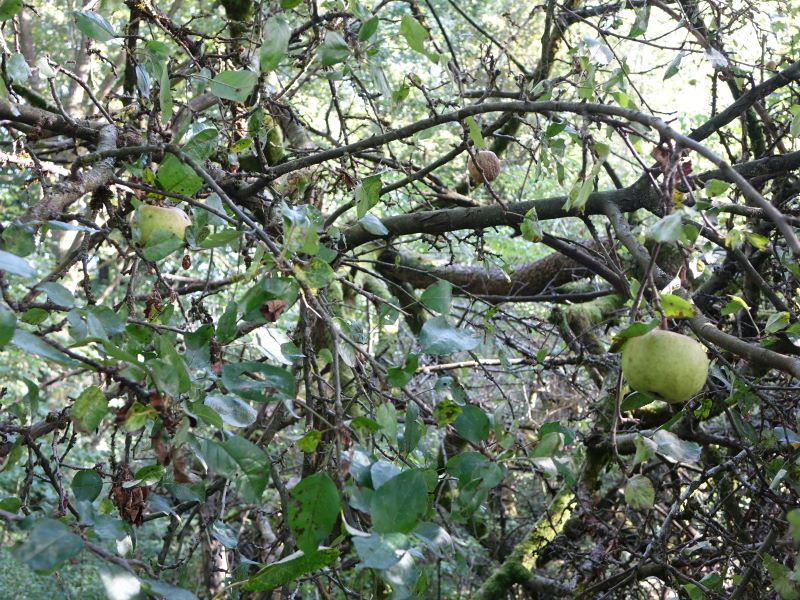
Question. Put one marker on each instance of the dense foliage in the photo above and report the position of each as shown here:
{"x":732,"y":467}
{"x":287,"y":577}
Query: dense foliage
{"x":325,"y":299}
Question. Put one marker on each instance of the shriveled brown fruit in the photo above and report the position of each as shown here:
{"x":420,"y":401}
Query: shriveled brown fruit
{"x":488,"y":163}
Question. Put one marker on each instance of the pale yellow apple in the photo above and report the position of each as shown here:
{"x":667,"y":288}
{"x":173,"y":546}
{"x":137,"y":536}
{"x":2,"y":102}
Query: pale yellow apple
{"x":664,"y":363}
{"x":153,"y":219}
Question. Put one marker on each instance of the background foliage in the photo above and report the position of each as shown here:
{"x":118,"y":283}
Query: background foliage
{"x":361,"y":373}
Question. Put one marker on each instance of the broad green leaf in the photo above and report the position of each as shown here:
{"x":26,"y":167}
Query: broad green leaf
{"x":414,"y":33}
{"x":309,"y":442}
{"x":676,"y":307}
{"x":48,"y":546}
{"x":174,"y":176}
{"x":374,"y":225}
{"x":438,"y":337}
{"x":233,"y":411}
{"x":254,"y":464}
{"x":531,"y":228}
{"x":277,"y":32}
{"x":715,"y":187}
{"x":674,"y":66}
{"x":13,"y":264}
{"x":267,"y":377}
{"x":94,"y":26}
{"x":57,"y":293}
{"x":381,"y":551}
{"x":289,"y":569}
{"x":318,"y":274}
{"x":639,"y":493}
{"x":333,"y":50}
{"x":89,"y":409}
{"x":8,"y":324}
{"x":367,"y":194}
{"x":167,"y":591}
{"x":87,"y":485}
{"x":668,"y":229}
{"x":35,"y":345}
{"x":400,"y":503}
{"x":438,"y":296}
{"x":234,"y":85}
{"x":313,"y":511}
{"x":472,"y":424}
{"x":475,"y":133}
{"x":794,"y":128}
{"x":9,"y":9}
{"x":368,"y":29}
{"x":675,"y":449}
{"x":17,"y":68}
{"x":165,"y":96}
{"x":783,"y":580}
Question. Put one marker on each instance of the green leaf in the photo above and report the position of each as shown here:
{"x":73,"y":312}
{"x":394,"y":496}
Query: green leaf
{"x":715,"y":187}
{"x":333,"y":50}
{"x":367,"y":194}
{"x":438,"y":296}
{"x":57,"y":293}
{"x":675,"y":449}
{"x":639,"y":493}
{"x":313,"y":511}
{"x":782,"y":578}
{"x":374,"y":225}
{"x":318,"y":274}
{"x":794,"y":128}
{"x":776,"y":322}
{"x":368,"y":29}
{"x":89,"y":409}
{"x":234,"y":85}
{"x":289,"y":4}
{"x":400,"y":503}
{"x":277,"y":32}
{"x":438,"y":337}
{"x":35,"y":345}
{"x":676,"y":307}
{"x":166,"y":591}
{"x":673,"y":67}
{"x":668,"y":229}
{"x":174,"y":176}
{"x":735,"y":305}
{"x":11,"y":504}
{"x":165,"y":96}
{"x":146,"y":476}
{"x":309,"y":442}
{"x":17,"y":68}
{"x":636,"y":400}
{"x":49,"y":545}
{"x":446,"y":412}
{"x":414,"y":33}
{"x":531,"y":228}
{"x":277,"y":379}
{"x":87,"y":485}
{"x":13,"y":264}
{"x":233,"y":411}
{"x":8,"y":324}
{"x":220,"y":238}
{"x":289,"y":569}
{"x":161,"y":244}
{"x":254,"y":464}
{"x":94,"y":26}
{"x":793,"y":516}
{"x":9,"y":9}
{"x":475,"y":133}
{"x":472,"y":424}
{"x":381,"y":551}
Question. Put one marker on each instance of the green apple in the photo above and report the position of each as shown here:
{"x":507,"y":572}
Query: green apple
{"x":155,"y":219}
{"x":668,"y":364}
